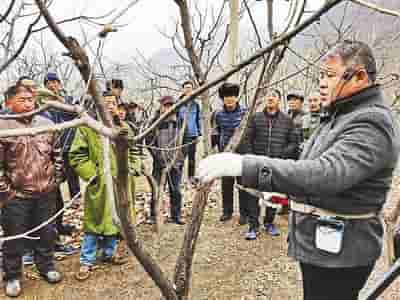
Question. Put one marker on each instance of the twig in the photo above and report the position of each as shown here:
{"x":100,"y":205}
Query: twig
{"x":84,"y":120}
{"x":22,"y":45}
{"x":8,"y":11}
{"x":48,"y":105}
{"x":284,"y":38}
{"x":377,"y":8}
{"x":171,"y":148}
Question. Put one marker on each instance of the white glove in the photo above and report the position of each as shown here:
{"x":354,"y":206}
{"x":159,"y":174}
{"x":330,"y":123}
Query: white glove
{"x":220,"y":165}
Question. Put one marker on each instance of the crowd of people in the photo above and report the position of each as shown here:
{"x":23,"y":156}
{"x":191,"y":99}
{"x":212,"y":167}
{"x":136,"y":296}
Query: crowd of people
{"x":320,"y":159}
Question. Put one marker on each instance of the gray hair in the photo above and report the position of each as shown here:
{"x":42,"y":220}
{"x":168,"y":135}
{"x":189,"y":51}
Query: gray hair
{"x":356,"y":53}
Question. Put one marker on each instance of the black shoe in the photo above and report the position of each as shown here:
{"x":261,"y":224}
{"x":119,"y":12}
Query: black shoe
{"x":179,"y":221}
{"x":225,"y":218}
{"x":243,"y":220}
{"x":66,"y":229}
{"x":151,"y":221}
{"x":64,"y":250}
{"x":174,"y":220}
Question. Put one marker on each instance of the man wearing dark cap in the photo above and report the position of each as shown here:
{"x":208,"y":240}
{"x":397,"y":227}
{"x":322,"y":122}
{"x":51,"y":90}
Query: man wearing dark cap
{"x":295,"y":102}
{"x":227,"y":120}
{"x":312,"y":120}
{"x":53,"y":83}
{"x":167,"y":136}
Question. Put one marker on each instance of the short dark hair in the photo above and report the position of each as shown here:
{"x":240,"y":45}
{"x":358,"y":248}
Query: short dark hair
{"x":187,"y":82}
{"x":10,"y":92}
{"x":19,"y":81}
{"x":108,"y":94}
{"x":275,"y":91}
{"x":356,"y":53}
{"x":115,"y":83}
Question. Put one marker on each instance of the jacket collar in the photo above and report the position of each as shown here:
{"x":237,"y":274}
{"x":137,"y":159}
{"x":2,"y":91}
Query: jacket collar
{"x":367,"y":97}
{"x":237,"y":108}
{"x":296,"y":113}
{"x":272,"y":116}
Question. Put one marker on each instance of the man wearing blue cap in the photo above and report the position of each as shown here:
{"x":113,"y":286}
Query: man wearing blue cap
{"x":53,"y":83}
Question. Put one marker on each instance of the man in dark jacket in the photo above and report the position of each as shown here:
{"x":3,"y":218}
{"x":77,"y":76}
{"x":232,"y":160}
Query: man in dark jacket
{"x":313,"y":118}
{"x":270,"y":133}
{"x":295,"y":102}
{"x":226,"y":121}
{"x":53,"y":83}
{"x":167,"y":136}
{"x":28,"y":178}
{"x":193,"y":127}
{"x":339,"y":183}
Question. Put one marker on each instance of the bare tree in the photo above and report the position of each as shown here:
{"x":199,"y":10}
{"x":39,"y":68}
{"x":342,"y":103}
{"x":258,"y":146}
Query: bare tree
{"x":276,"y":49}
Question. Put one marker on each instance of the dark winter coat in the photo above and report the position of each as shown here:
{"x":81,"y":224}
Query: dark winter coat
{"x":226,"y":122}
{"x":272,"y":135}
{"x":346,"y":167}
{"x":166,"y":136}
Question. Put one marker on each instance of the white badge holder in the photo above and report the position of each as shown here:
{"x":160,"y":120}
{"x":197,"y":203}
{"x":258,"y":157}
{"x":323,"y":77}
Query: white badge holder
{"x":329,"y":235}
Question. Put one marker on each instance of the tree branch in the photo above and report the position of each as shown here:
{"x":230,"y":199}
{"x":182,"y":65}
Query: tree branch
{"x":85,"y":120}
{"x":283,"y":39}
{"x":81,"y":59}
{"x":21,"y":46}
{"x":48,"y":105}
{"x":8,"y":11}
{"x":377,"y":8}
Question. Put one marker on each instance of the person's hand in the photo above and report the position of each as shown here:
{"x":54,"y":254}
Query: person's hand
{"x":220,"y":165}
{"x":390,"y":216}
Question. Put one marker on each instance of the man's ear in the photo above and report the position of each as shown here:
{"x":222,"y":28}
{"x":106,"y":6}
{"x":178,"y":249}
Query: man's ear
{"x":8,"y":103}
{"x":361,"y":77}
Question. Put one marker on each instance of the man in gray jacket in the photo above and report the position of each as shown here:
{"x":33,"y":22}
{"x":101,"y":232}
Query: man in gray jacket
{"x":340,"y":183}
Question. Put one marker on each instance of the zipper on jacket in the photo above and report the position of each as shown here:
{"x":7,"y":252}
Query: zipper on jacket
{"x":269,"y":136}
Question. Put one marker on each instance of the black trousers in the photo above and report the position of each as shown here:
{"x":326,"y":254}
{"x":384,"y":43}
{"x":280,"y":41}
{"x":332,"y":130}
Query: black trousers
{"x":58,"y":205}
{"x":190,"y":152}
{"x":333,"y":283}
{"x":19,"y":216}
{"x":174,"y":184}
{"x":74,"y":188}
{"x":227,"y":197}
{"x":254,"y":213}
{"x":72,"y":180}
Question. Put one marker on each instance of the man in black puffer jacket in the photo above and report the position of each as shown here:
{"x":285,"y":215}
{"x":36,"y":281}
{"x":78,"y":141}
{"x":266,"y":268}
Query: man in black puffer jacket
{"x":271,"y":133}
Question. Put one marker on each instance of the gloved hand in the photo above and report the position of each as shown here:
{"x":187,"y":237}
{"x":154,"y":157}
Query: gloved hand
{"x":220,"y":165}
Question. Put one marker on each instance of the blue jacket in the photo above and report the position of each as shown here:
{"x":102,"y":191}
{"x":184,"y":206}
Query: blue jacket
{"x":226,"y":123}
{"x":193,"y":124}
